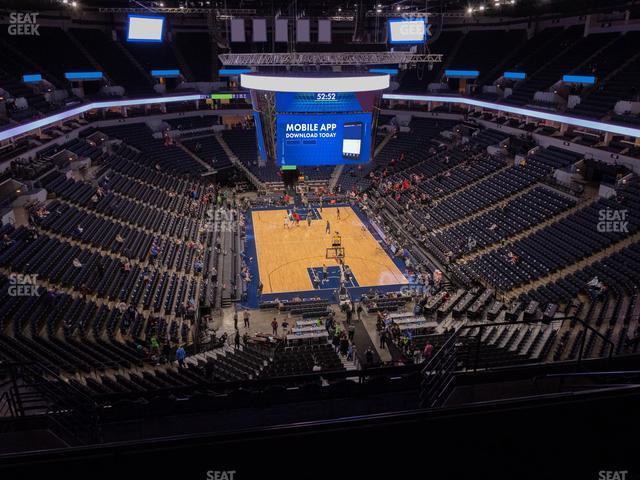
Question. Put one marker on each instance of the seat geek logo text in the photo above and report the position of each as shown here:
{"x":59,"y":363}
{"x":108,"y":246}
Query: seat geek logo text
{"x":23,"y":24}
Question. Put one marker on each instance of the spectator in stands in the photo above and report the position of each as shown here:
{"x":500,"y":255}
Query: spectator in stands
{"x":166,"y":352}
{"x":77,"y":263}
{"x":235,"y":320}
{"x":335,"y":340}
{"x":383,"y":338}
{"x":6,"y":241}
{"x":427,"y":351}
{"x":79,"y":230}
{"x":274,"y":327}
{"x":154,"y":253}
{"x":349,"y":312}
{"x":155,"y":345}
{"x":344,"y":344}
{"x":180,"y":356}
{"x":368,"y":355}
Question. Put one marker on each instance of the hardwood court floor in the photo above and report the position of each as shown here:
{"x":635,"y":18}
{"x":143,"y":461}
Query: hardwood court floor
{"x":285,"y":254}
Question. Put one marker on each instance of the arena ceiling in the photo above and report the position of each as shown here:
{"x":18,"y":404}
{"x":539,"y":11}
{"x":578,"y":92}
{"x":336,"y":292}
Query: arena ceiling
{"x":517,"y":8}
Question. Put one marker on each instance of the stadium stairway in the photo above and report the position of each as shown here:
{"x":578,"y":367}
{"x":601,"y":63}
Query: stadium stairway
{"x":196,"y":158}
{"x":236,"y":161}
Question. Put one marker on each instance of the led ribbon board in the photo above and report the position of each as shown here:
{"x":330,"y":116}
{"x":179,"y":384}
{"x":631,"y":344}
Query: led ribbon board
{"x":586,"y":79}
{"x":515,"y":75}
{"x":526,"y":112}
{"x":83,"y":75}
{"x":165,"y":73}
{"x":462,"y":73}
{"x":569,"y":120}
{"x":32,"y":78}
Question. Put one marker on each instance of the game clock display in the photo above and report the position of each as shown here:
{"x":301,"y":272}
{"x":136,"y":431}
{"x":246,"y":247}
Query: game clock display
{"x":326,"y":97}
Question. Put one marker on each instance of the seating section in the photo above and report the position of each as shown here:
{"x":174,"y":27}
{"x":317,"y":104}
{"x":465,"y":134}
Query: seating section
{"x":209,"y":150}
{"x":403,"y":150}
{"x":156,"y":153}
{"x":152,"y":56}
{"x":117,"y":65}
{"x":576,"y":50}
{"x":515,"y":216}
{"x":416,"y":80}
{"x":39,"y":49}
{"x":614,"y":75}
{"x":195,"y":47}
{"x":484,"y":50}
{"x":300,"y":360}
{"x":555,"y":247}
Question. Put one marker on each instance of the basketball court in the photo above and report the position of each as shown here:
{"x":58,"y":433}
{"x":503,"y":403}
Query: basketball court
{"x":290,"y":258}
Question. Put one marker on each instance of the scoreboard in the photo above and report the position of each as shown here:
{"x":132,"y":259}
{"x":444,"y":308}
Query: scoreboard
{"x":323,"y":128}
{"x":312,"y":128}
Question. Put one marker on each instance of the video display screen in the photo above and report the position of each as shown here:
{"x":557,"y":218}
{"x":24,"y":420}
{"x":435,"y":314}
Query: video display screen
{"x":144,"y":28}
{"x":408,"y":31}
{"x":323,"y":139}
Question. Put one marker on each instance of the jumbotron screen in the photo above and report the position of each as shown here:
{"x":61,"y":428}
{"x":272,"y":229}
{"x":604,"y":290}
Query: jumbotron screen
{"x":323,"y":128}
{"x":310,"y":128}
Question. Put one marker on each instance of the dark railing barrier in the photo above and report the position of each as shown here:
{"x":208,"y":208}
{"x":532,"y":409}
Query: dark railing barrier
{"x":72,"y":413}
{"x":438,"y":375}
{"x":463,"y":350}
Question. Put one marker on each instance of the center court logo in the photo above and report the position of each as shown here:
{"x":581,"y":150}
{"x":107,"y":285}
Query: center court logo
{"x":23,"y":285}
{"x":23,"y":24}
{"x":613,"y":221}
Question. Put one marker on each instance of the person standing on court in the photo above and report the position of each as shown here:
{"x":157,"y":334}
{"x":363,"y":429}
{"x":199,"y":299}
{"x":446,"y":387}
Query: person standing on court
{"x":338,"y":212}
{"x":236,"y":339}
{"x":325,"y":273}
{"x":274,"y":327}
{"x":328,"y":228}
{"x":308,"y":219}
{"x":246,"y":319}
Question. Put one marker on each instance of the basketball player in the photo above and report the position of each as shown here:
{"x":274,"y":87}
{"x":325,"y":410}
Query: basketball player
{"x":328,"y":228}
{"x":338,"y":212}
{"x":325,"y":273}
{"x":286,"y":221}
